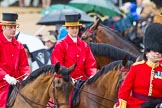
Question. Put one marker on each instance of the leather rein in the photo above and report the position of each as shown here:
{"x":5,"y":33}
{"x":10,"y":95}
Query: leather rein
{"x":107,"y":99}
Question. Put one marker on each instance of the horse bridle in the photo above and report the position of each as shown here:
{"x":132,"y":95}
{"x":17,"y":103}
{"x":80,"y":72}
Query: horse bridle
{"x":55,"y":103}
{"x":29,"y":101}
{"x":93,"y":33}
{"x":120,"y":79}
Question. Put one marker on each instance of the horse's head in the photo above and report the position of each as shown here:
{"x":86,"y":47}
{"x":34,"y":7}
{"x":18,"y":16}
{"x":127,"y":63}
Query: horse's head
{"x":123,"y":70}
{"x":89,"y":34}
{"x":38,"y":87}
{"x":62,"y":85}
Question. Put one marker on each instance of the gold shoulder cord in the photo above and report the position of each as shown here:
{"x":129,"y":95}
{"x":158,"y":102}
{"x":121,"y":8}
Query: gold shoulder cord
{"x":151,"y":78}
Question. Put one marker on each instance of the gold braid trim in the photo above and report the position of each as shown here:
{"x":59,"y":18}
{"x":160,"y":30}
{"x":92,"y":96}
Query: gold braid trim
{"x":151,"y":64}
{"x":151,"y":78}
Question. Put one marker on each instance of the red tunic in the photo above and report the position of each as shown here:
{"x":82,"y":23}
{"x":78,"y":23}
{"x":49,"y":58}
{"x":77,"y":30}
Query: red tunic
{"x":0,"y":27}
{"x":139,"y":80}
{"x":68,"y":52}
{"x":13,"y":61}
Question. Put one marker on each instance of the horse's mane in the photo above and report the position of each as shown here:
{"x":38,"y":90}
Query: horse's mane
{"x":39,"y":71}
{"x":107,"y":68}
{"x":110,"y":51}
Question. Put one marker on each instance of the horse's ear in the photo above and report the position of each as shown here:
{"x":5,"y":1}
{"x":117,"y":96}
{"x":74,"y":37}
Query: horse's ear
{"x":71,"y":68}
{"x":57,"y":67}
{"x":96,"y":24}
{"x":125,"y":61}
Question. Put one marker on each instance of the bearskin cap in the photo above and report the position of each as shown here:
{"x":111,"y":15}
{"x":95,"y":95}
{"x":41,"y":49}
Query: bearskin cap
{"x":153,"y":37}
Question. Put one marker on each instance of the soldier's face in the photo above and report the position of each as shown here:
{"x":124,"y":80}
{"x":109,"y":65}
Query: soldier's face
{"x":73,"y":31}
{"x":9,"y":31}
{"x":154,"y":56}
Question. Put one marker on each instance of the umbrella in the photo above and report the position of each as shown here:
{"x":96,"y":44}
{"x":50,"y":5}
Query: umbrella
{"x":37,"y":50}
{"x":103,"y":7}
{"x":57,"y":17}
{"x":55,"y":7}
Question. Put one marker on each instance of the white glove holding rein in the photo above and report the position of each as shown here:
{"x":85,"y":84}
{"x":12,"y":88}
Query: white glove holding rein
{"x":10,"y":80}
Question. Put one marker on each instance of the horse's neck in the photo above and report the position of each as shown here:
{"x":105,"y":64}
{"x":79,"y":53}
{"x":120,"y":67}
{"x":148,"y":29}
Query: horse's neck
{"x":105,"y":88}
{"x":37,"y":90}
{"x":105,"y":80}
{"x":109,"y":37}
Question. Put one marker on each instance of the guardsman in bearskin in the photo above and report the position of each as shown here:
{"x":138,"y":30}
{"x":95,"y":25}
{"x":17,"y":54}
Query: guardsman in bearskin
{"x":13,"y":58}
{"x":72,"y":50}
{"x":144,"y":80}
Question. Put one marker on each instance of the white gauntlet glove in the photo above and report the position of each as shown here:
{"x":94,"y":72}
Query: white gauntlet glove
{"x":10,"y":80}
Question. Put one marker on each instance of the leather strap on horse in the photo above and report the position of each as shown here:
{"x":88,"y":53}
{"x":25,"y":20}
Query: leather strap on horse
{"x":29,"y":101}
{"x":143,"y":97}
{"x":114,"y":101}
{"x":11,"y":99}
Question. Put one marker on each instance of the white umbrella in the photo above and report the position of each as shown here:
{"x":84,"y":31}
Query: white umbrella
{"x":39,"y":53}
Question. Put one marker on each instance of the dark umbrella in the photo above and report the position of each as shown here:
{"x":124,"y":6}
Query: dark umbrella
{"x":57,"y":17}
{"x":103,"y":7}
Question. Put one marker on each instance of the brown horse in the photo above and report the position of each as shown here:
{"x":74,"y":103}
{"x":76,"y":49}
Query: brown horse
{"x":101,"y":34}
{"x":35,"y":91}
{"x":100,"y":90}
{"x":105,"y":53}
{"x":158,"y":16}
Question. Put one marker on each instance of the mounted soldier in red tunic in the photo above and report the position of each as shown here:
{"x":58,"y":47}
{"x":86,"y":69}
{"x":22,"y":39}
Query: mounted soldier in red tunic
{"x":13,"y":58}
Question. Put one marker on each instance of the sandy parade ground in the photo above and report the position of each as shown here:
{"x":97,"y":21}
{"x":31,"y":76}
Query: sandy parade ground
{"x":28,"y":17}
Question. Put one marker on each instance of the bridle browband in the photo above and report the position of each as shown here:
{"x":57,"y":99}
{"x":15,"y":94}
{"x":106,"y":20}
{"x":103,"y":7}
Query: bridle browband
{"x":93,"y":33}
